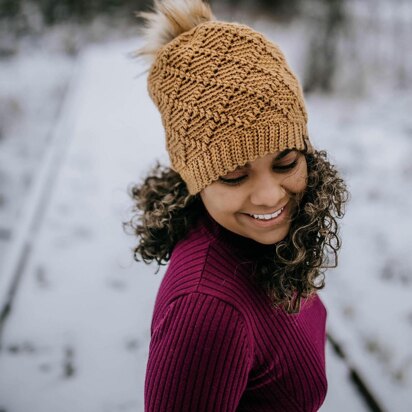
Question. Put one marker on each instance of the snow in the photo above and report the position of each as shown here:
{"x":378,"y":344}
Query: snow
{"x":78,"y":333}
{"x":26,"y":125}
{"x":77,"y":336}
{"x":368,"y":295}
{"x":341,"y":395}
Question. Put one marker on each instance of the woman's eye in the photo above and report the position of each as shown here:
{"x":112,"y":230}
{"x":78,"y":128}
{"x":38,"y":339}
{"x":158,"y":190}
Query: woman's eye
{"x":286,"y":167}
{"x":279,"y":168}
{"x":232,"y":181}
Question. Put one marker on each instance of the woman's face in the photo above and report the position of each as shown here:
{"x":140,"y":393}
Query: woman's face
{"x":262,"y":187}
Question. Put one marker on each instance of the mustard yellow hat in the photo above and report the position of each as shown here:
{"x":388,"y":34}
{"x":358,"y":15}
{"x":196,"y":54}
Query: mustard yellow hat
{"x":225,"y":93}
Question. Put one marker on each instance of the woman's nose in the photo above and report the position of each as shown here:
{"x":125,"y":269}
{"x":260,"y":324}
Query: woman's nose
{"x":267,"y":192}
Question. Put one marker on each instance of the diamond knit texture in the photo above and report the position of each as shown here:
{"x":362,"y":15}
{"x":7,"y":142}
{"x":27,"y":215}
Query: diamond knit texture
{"x":226,"y":96}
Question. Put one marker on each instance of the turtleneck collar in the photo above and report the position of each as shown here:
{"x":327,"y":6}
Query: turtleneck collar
{"x":244,"y":246}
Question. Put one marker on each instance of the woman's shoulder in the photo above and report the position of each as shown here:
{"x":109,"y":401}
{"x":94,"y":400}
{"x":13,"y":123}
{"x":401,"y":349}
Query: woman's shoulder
{"x":199,"y":272}
{"x":199,"y":263}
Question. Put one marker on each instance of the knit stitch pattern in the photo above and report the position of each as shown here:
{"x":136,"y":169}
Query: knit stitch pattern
{"x":226,"y":96}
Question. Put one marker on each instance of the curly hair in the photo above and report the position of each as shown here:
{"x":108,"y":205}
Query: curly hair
{"x":164,"y":211}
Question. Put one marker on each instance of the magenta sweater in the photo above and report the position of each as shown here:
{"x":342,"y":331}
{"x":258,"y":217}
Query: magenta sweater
{"x":218,"y":345}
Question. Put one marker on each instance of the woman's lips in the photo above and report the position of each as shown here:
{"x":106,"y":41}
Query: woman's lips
{"x":271,"y":222}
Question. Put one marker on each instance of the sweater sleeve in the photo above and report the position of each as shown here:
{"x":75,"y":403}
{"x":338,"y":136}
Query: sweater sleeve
{"x":199,"y":357}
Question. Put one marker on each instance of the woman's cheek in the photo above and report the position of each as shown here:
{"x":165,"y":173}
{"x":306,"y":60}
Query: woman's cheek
{"x":302,"y":180}
{"x":228,"y":198}
{"x":297,"y":182}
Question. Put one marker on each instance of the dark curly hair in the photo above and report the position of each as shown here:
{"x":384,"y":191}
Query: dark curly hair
{"x":164,"y":211}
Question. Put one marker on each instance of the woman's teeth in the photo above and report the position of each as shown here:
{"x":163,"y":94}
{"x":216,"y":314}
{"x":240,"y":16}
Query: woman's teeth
{"x":268,"y":217}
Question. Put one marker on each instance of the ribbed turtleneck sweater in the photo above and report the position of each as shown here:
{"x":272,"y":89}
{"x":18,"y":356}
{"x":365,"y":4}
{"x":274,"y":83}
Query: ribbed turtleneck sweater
{"x":217,"y":343}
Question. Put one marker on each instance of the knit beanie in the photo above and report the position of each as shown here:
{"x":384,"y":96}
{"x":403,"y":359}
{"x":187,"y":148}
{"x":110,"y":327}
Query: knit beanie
{"x":225,"y":93}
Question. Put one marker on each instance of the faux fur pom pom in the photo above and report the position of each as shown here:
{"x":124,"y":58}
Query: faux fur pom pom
{"x":167,"y":20}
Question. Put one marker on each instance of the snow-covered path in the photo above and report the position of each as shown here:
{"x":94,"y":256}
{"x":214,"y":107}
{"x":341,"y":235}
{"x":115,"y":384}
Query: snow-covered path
{"x":77,"y":336}
{"x":369,"y":295}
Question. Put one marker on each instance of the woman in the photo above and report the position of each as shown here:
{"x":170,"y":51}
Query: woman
{"x":245,"y":216}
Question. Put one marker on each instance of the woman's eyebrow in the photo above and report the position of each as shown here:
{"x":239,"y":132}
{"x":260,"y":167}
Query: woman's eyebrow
{"x":283,"y":154}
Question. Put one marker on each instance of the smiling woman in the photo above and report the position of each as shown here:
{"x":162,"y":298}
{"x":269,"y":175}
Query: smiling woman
{"x":261,"y":205}
{"x":246,"y":216}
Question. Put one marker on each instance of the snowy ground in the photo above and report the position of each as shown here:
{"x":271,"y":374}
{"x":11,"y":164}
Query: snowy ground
{"x":78,"y":333}
{"x":77,"y":336}
{"x":26,"y":83}
{"x":369,"y":294}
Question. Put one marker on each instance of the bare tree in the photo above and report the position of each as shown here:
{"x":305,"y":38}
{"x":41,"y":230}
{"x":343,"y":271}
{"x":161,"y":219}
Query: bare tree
{"x":330,"y":20}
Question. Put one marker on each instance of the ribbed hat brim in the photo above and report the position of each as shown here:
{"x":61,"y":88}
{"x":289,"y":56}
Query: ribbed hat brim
{"x":245,"y":146}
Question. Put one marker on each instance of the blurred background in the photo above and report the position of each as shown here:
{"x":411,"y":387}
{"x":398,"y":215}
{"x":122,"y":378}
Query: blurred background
{"x":77,"y":128}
